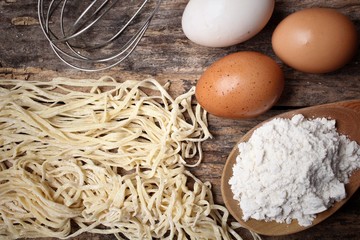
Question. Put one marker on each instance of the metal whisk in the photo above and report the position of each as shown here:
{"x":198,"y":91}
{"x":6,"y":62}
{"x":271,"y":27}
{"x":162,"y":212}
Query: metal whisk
{"x":83,"y":34}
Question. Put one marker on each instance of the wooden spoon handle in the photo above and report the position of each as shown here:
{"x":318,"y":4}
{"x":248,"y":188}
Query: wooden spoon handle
{"x":352,"y":104}
{"x":346,"y":114}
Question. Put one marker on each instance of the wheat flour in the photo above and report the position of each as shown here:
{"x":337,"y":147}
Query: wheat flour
{"x":293,"y":169}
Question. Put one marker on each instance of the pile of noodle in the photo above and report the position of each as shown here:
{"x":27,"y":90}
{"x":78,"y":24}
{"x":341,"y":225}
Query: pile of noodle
{"x":103,"y":157}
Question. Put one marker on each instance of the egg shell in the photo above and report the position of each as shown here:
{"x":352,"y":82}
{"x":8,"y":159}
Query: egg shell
{"x":223,"y":23}
{"x":315,"y":40}
{"x":240,"y":85}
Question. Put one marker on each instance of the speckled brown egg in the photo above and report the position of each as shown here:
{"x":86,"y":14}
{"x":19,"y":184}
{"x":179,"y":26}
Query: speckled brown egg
{"x":315,"y":40}
{"x":240,"y":85}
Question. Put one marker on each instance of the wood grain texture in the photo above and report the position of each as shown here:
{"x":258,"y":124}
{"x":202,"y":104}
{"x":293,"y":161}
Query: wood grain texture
{"x":167,"y":55}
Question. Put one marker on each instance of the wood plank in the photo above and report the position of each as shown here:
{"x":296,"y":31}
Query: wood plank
{"x":167,"y":55}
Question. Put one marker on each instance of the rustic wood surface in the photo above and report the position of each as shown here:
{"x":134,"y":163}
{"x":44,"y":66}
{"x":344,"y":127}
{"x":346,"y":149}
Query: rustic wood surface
{"x":167,"y":55}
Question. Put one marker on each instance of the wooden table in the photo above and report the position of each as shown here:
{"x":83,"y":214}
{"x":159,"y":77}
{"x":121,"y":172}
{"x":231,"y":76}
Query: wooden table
{"x":167,"y":55}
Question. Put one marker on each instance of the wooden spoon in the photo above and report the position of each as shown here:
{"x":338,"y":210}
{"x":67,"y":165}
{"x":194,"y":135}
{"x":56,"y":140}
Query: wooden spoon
{"x":347,"y":116}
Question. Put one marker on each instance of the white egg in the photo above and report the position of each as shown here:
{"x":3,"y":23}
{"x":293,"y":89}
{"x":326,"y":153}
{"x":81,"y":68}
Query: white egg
{"x":222,"y":23}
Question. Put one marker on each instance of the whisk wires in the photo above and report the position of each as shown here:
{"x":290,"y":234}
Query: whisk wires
{"x":78,"y":33}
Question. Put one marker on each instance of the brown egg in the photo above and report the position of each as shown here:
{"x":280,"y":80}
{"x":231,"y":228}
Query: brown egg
{"x":240,"y":85}
{"x":315,"y":40}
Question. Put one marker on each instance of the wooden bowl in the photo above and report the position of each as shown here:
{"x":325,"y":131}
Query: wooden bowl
{"x":347,"y":116}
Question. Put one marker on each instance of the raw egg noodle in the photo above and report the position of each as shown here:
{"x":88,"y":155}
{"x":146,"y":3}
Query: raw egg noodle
{"x":108,"y":160}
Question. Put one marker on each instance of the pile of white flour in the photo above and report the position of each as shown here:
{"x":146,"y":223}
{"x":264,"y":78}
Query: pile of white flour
{"x":293,"y":169}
